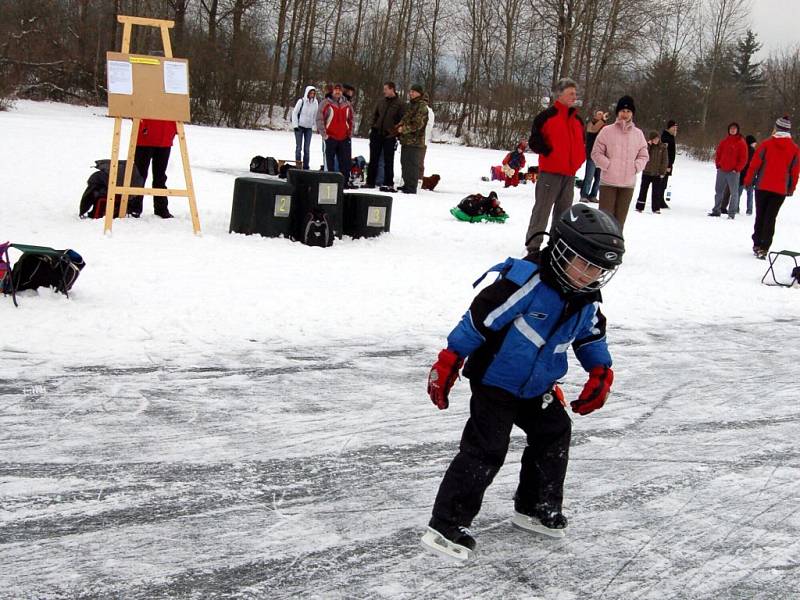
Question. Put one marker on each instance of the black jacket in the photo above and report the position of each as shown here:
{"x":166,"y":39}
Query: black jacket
{"x":669,"y":140}
{"x":750,"y":152}
{"x":387,"y":114}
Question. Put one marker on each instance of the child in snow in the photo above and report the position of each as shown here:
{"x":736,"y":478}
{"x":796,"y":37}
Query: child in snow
{"x":514,"y":337}
{"x":512,"y":163}
{"x":654,"y":172}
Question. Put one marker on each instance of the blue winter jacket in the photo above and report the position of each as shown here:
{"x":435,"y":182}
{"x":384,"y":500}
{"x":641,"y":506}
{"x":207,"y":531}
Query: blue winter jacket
{"x":517,"y":332}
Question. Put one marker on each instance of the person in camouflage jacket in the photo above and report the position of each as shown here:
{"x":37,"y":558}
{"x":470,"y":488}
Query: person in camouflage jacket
{"x":411,"y":130}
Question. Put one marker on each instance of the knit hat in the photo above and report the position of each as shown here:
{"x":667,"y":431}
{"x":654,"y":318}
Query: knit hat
{"x":783,"y":124}
{"x":417,"y":88}
{"x":625,"y":102}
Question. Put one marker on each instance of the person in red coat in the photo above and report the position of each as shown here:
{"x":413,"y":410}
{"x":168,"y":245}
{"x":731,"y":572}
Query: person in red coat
{"x":154,"y":145}
{"x":731,"y":157}
{"x":513,"y":163}
{"x":774,"y":169}
{"x":557,"y":137}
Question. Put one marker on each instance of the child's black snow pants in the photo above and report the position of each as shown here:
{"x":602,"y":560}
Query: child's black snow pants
{"x":483,"y":448}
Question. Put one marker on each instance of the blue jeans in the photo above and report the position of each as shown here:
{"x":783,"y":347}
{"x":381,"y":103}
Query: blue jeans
{"x":591,"y":180}
{"x":302,"y":135}
{"x":750,"y":190}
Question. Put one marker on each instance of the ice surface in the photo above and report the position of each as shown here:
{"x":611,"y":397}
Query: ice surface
{"x":239,"y":417}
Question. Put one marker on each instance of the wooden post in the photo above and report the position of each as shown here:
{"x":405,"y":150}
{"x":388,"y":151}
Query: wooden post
{"x":111,"y":191}
{"x":129,"y":165}
{"x":187,"y":173}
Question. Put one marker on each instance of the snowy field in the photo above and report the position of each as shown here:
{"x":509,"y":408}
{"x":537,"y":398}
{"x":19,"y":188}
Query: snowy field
{"x":229,"y":416}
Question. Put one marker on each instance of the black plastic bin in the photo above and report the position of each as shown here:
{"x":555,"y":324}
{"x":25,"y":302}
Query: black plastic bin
{"x":317,"y":189}
{"x":366,"y":215}
{"x":262,"y":206}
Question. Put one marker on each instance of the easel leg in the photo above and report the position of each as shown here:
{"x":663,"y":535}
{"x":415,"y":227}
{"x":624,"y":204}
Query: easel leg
{"x":187,"y":174}
{"x":112,"y":176}
{"x":123,"y":205}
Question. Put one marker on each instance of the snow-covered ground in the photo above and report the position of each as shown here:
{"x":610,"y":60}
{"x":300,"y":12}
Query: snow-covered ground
{"x":241,"y":417}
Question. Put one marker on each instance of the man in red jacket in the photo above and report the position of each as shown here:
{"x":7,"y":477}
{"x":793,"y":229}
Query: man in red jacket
{"x":154,"y":144}
{"x":731,"y":158}
{"x":335,"y":125}
{"x":557,"y":137}
{"x":774,"y":170}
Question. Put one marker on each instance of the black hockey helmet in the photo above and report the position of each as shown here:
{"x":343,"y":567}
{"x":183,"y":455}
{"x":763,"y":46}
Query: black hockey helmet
{"x":591,"y":235}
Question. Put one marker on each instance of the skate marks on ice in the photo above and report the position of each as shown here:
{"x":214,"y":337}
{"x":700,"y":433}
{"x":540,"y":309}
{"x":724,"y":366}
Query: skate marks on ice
{"x":308,"y":473}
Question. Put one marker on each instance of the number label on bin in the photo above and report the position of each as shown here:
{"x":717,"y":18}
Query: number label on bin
{"x":376,"y":217}
{"x":328,"y":193}
{"x":283,"y":206}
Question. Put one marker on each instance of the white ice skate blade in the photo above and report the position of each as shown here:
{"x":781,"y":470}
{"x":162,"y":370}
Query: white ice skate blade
{"x":436,"y":542}
{"x":530,"y":524}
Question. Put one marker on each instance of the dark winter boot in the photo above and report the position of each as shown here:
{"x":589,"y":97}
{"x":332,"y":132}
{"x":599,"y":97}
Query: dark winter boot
{"x":160,"y":205}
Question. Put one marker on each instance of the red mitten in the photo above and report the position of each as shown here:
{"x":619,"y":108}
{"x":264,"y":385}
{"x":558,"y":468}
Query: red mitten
{"x":595,"y":391}
{"x":442,"y":377}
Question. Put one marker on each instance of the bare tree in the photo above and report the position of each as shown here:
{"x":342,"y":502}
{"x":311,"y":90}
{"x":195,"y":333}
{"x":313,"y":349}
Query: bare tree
{"x":721,"y":23}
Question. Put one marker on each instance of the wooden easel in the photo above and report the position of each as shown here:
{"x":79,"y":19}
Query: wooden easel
{"x":126,"y":189}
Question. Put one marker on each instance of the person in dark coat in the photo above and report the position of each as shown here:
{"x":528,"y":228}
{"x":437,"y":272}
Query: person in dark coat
{"x":591,"y":176}
{"x":751,"y":149}
{"x":411,"y":133}
{"x":668,"y":138}
{"x":654,"y":172}
{"x":382,"y":140}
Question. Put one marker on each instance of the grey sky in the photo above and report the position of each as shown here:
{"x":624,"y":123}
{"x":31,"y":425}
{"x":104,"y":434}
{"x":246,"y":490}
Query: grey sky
{"x":777,"y":23}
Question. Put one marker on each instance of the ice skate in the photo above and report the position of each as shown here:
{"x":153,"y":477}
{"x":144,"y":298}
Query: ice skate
{"x":551,"y":525}
{"x":458,"y":543}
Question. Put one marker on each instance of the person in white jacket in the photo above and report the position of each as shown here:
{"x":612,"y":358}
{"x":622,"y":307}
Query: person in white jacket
{"x":304,"y":118}
{"x":428,"y":136}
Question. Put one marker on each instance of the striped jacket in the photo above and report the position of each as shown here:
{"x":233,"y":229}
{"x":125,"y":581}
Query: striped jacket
{"x":517,"y":332}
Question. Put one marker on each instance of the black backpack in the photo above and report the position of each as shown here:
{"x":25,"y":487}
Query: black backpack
{"x":268,"y":165}
{"x":33,"y":270}
{"x":316,"y":229}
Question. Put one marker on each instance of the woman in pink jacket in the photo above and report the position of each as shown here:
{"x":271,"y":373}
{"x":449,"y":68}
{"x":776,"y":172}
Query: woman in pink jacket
{"x":620,"y":152}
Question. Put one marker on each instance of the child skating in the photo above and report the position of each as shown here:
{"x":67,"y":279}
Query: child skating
{"x":514,"y":338}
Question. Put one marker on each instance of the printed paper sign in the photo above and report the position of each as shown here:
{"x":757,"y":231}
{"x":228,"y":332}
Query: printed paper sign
{"x":120,"y":77}
{"x":176,"y":77}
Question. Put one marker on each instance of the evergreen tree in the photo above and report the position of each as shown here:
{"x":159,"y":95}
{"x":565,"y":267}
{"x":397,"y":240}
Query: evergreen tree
{"x":747,"y":73}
